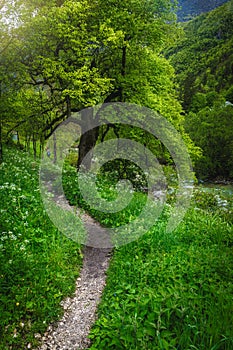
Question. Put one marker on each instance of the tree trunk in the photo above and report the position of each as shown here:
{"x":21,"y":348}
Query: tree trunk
{"x":123,"y":71}
{"x":88,"y":140}
{"x":34,"y":145}
{"x":41,"y":145}
{"x":28,"y":137}
{"x":54,"y":148}
{"x":18,"y":140}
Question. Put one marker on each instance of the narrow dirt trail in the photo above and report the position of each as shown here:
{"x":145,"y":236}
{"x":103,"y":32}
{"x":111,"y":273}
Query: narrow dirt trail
{"x":71,"y":331}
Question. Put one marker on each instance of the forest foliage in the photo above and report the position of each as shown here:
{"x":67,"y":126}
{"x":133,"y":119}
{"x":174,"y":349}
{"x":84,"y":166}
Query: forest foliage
{"x":203,"y":61}
{"x":165,"y":290}
{"x":190,"y":9}
{"x":62,"y":56}
{"x":65,"y":56}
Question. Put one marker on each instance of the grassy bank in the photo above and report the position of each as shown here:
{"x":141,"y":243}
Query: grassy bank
{"x":164,"y":290}
{"x":170,"y":291}
{"x":38,"y":265}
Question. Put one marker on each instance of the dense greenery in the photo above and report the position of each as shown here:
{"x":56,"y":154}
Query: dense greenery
{"x":39,"y":265}
{"x":70,"y":55}
{"x":203,"y":63}
{"x":189,"y":9}
{"x":167,"y":290}
{"x":164,"y":291}
{"x":170,"y":291}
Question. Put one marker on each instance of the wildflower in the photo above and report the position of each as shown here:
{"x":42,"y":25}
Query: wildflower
{"x":12,"y":236}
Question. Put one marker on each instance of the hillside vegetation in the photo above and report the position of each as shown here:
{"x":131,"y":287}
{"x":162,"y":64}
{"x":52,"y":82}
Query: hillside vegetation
{"x":38,"y":265}
{"x":189,"y":8}
{"x":203,"y":61}
{"x":165,"y":290}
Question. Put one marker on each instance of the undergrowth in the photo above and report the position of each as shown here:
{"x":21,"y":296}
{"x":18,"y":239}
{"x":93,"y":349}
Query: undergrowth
{"x":170,"y":291}
{"x":38,"y":265}
{"x":164,"y":290}
{"x":167,"y":290}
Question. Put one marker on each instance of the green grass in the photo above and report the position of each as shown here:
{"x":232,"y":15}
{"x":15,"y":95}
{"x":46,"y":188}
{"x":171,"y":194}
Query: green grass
{"x":38,"y":265}
{"x":168,"y":290}
{"x":164,"y":290}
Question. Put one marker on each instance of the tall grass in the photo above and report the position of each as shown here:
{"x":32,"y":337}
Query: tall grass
{"x":164,"y":291}
{"x":170,"y":291}
{"x":38,"y":265}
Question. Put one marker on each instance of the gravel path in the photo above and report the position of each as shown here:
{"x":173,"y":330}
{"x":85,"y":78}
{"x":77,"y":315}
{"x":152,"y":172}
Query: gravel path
{"x":71,"y":332}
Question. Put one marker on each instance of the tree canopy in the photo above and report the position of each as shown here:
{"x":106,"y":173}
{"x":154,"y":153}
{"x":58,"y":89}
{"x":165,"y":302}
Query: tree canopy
{"x":59,"y":57}
{"x":68,"y":55}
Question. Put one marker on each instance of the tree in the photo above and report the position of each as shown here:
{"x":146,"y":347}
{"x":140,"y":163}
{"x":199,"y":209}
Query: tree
{"x":78,"y":54}
{"x":212,"y":130}
{"x":77,"y":38}
{"x":7,"y":82}
{"x":203,"y":57}
{"x":203,"y":64}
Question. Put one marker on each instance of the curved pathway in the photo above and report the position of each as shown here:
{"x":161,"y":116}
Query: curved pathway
{"x":71,"y":332}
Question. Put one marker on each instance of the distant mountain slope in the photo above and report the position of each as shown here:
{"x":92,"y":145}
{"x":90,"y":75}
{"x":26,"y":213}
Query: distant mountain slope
{"x":203,"y":59}
{"x":203,"y":62}
{"x":192,"y":8}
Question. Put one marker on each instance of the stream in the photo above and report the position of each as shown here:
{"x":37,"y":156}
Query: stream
{"x":220,"y":189}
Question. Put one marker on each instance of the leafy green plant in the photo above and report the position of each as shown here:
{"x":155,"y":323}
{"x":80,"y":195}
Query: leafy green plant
{"x":170,"y":291}
{"x":38,"y":265}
